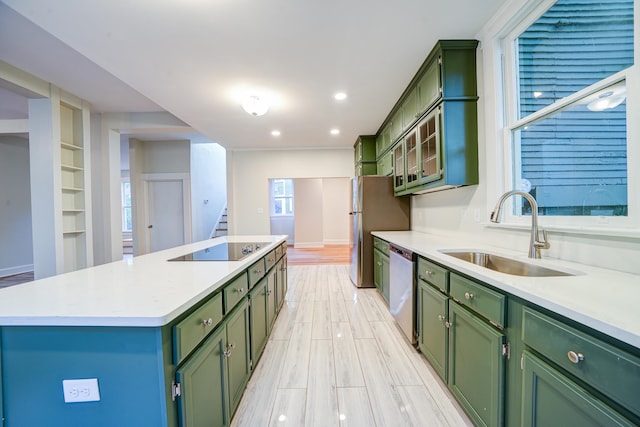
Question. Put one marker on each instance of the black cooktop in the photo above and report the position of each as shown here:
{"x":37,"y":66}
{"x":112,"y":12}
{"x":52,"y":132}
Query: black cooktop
{"x":223,"y":252}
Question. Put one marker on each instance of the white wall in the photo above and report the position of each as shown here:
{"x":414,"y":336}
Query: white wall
{"x":208,"y":187}
{"x":336,"y":205}
{"x":457,"y":211}
{"x":16,"y":248}
{"x":308,"y":212}
{"x":249,"y":173}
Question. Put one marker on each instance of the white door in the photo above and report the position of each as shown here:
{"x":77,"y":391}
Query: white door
{"x":166,"y":214}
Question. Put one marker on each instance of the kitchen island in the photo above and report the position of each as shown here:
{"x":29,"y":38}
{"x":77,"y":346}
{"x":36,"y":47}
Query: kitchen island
{"x":133,"y":327}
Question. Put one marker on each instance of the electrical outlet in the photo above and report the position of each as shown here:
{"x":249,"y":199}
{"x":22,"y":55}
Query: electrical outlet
{"x":84,"y":390}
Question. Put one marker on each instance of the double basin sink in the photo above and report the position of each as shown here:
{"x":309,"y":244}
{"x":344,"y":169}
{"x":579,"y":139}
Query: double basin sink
{"x":505,"y":265}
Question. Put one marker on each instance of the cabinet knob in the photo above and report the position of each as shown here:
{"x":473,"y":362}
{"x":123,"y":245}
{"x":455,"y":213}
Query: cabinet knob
{"x":440,"y":317}
{"x":240,"y":290}
{"x":379,"y":263}
{"x":428,"y":272}
{"x":468,"y":295}
{"x":207,"y":322}
{"x":448,"y":324}
{"x":575,"y":357}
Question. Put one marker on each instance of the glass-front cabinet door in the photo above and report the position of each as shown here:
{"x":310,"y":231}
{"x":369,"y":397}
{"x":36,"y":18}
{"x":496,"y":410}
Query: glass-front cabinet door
{"x":429,"y":142}
{"x":411,"y":152}
{"x":399,"y":182}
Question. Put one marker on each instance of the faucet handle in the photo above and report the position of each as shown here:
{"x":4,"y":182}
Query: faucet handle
{"x":544,"y":243}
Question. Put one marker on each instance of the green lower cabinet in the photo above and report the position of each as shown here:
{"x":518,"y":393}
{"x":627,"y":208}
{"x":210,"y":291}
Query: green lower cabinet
{"x":476,"y":366}
{"x":281,"y":285}
{"x":551,"y":399}
{"x":203,"y":400}
{"x":213,"y":378}
{"x":238,"y":355}
{"x":432,"y":333}
{"x":381,"y":274}
{"x":258,"y":319}
{"x":271,"y":298}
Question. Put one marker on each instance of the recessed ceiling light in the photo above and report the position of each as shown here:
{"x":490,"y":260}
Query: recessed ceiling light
{"x":335,"y":131}
{"x":340,"y":96}
{"x":275,"y":132}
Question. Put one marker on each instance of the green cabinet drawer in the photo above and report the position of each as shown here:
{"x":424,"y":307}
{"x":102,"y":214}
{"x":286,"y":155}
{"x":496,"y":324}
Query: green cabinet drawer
{"x":235,"y":291}
{"x":256,"y":272}
{"x":551,"y":399}
{"x":381,"y":245}
{"x":434,"y":274}
{"x":480,"y":299}
{"x":608,"y":369}
{"x":270,"y":260}
{"x":188,"y":333}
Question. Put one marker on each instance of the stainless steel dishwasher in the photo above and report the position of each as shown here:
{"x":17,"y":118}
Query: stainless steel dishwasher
{"x":402,"y":290}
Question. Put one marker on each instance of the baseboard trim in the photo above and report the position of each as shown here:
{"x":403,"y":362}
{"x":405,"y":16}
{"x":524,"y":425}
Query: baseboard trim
{"x":308,"y":245}
{"x":336,"y":242}
{"x":4,"y":272}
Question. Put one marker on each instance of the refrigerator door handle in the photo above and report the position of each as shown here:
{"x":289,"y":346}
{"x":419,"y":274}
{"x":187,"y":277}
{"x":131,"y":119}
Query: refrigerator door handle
{"x":354,"y":212}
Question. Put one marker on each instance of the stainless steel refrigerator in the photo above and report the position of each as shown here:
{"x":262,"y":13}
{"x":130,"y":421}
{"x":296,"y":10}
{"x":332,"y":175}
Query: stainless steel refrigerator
{"x":375,"y":208}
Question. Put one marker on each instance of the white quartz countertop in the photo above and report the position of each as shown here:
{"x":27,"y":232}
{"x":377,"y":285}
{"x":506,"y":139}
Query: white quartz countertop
{"x":143,"y":291}
{"x":602,"y":299}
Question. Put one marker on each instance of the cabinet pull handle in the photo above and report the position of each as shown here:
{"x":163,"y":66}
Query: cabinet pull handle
{"x":468,"y":295}
{"x":575,"y":357}
{"x":440,"y":317}
{"x":207,"y":322}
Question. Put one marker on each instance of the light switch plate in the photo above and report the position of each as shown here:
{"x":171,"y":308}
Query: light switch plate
{"x":83,"y":390}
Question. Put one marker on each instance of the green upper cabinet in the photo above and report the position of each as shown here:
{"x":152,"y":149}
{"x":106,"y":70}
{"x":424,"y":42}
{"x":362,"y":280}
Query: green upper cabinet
{"x":440,"y":106}
{"x":399,"y":169}
{"x":385,"y":164}
{"x":430,"y":168}
{"x":410,"y":109}
{"x":428,"y":87}
{"x":396,"y":125}
{"x":383,"y":140}
{"x":364,"y":155}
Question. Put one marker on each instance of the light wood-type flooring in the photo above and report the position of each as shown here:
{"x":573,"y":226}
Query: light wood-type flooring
{"x":336,"y":358}
{"x":329,"y":254}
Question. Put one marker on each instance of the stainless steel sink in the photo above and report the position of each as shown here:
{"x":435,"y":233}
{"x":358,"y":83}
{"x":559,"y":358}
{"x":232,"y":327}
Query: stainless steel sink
{"x":506,"y":265}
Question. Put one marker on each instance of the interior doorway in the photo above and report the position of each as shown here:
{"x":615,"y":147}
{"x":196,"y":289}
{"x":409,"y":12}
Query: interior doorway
{"x":167,"y":211}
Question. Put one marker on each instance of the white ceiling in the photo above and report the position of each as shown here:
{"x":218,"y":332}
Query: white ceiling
{"x":191,"y":57}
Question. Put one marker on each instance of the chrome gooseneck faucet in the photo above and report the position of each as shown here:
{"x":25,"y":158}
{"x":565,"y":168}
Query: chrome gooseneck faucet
{"x":535,"y":244}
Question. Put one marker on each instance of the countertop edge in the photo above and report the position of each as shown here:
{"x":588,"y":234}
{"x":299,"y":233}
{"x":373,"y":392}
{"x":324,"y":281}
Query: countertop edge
{"x":517,"y":286}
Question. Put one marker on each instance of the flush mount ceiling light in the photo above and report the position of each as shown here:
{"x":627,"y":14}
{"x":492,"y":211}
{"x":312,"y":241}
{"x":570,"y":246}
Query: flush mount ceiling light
{"x":255,"y":105}
{"x":607,"y":98}
{"x":606,"y":101}
{"x":335,"y":131}
{"x":340,"y":96}
{"x":275,"y":132}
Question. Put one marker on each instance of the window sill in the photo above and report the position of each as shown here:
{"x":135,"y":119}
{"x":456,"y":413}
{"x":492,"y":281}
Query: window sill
{"x":624,"y":233}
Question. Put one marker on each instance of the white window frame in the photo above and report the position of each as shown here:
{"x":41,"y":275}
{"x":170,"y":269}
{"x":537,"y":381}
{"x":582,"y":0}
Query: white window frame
{"x":124,"y":180}
{"x":507,"y":119}
{"x":272,"y":198}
